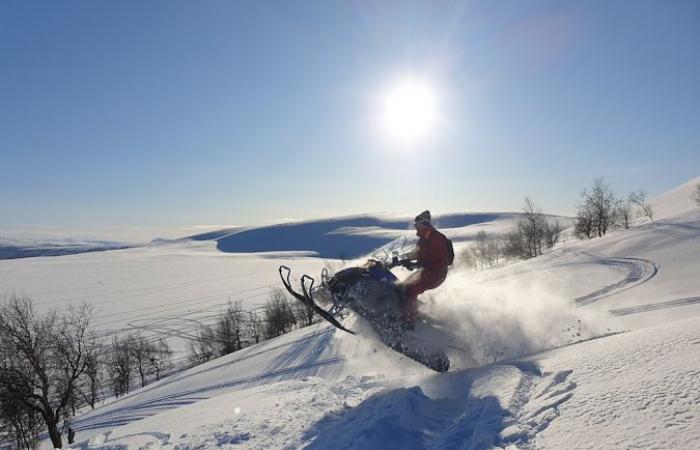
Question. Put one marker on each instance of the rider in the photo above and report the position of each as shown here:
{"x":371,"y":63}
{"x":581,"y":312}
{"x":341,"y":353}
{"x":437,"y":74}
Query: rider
{"x":432,"y":254}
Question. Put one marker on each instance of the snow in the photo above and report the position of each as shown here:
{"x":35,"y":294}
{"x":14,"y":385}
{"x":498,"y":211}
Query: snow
{"x":677,"y":201}
{"x":633,"y":390}
{"x":593,"y":345}
{"x":163,"y":291}
{"x":349,"y":237}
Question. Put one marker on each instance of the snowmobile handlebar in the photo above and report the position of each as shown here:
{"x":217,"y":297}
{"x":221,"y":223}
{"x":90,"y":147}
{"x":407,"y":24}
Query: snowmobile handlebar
{"x":407,"y":263}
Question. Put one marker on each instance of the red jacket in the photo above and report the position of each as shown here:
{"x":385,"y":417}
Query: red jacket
{"x":432,"y":251}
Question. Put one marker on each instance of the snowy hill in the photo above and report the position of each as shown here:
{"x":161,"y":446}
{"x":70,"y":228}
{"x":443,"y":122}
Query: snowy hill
{"x":593,"y":345}
{"x":599,"y":394}
{"x":677,"y":201}
{"x":348,"y":237}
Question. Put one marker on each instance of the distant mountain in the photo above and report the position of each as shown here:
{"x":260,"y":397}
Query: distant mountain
{"x":25,"y":248}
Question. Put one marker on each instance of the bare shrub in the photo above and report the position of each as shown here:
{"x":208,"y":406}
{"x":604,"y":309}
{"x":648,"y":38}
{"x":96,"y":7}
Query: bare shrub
{"x":303,"y":314}
{"x":585,"y":222}
{"x":255,"y":327}
{"x":229,"y":328}
{"x":119,"y":365}
{"x":639,"y":199}
{"x":42,"y":358}
{"x":160,"y":357}
{"x":623,"y":215}
{"x":279,"y":315}
{"x":203,"y":347}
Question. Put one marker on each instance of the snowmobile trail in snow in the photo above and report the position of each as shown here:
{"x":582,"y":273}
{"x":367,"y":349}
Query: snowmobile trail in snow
{"x":655,"y":306}
{"x":639,"y":271}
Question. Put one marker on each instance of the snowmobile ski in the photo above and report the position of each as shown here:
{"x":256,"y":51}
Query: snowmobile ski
{"x":306,"y":299}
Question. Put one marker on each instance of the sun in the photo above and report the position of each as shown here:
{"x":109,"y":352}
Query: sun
{"x":409,"y":111}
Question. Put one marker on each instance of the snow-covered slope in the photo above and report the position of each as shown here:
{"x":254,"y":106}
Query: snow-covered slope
{"x":632,"y":390}
{"x":593,"y":345}
{"x":677,"y":201}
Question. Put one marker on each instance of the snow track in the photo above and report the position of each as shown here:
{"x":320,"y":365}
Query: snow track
{"x":638,"y":270}
{"x":655,"y":306}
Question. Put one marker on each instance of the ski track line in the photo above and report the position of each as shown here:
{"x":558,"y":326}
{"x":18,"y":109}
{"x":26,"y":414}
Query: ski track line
{"x":655,"y":306}
{"x":639,"y":271}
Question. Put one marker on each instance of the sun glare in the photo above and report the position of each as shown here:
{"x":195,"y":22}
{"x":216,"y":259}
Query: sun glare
{"x":409,"y":111}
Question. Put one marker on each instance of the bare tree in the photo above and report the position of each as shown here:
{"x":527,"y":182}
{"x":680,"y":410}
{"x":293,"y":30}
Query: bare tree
{"x":303,"y":314}
{"x":138,"y":348}
{"x":160,"y":356}
{"x":141,"y":349}
{"x":229,"y":328}
{"x":42,"y":358}
{"x":585,"y":220}
{"x":596,"y":213}
{"x":279,"y":316}
{"x":533,"y":232}
{"x":623,"y":214}
{"x":203,"y":347}
{"x":552,"y":232}
{"x":481,"y":250}
{"x":639,"y":199}
{"x":467,"y":258}
{"x":19,"y":424}
{"x":514,"y":244}
{"x":532,"y":227}
{"x":255,"y":326}
{"x":119,"y":365}
{"x":93,"y":371}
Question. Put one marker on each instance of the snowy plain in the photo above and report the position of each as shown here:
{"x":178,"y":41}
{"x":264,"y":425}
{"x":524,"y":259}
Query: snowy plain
{"x":591,"y":346}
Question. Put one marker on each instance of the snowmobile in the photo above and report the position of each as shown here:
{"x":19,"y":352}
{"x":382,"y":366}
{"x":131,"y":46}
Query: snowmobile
{"x":371,"y":291}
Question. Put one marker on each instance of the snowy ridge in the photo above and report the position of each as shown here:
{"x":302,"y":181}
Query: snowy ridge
{"x":348,"y":237}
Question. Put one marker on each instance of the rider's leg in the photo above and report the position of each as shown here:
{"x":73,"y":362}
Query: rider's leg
{"x":412,"y":287}
{"x":417,"y":283}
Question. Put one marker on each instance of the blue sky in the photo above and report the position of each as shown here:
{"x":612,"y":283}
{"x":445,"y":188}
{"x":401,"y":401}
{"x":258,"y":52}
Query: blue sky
{"x":117,"y":115}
